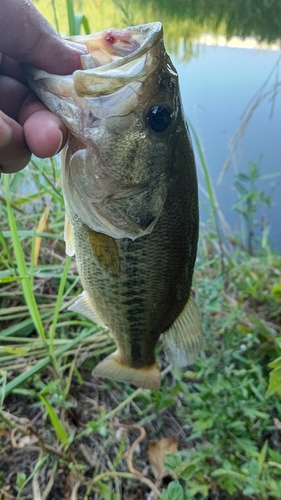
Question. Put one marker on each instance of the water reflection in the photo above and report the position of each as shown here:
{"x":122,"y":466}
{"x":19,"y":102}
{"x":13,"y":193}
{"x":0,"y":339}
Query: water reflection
{"x":182,"y":19}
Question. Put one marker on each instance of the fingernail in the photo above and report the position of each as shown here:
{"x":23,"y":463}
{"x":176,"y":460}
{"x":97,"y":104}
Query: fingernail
{"x":79,"y":47}
{"x":5,"y":133}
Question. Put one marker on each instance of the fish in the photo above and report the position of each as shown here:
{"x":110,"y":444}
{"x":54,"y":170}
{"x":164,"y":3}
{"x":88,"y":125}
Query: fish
{"x":131,"y":198}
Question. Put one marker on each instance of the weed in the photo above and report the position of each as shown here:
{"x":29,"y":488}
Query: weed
{"x":251,"y":199}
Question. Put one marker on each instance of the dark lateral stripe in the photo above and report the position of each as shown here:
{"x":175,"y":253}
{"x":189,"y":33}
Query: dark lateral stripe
{"x":132,"y":301}
{"x":136,"y":353}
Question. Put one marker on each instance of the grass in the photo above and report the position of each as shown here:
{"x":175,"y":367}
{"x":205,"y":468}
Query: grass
{"x":64,"y":434}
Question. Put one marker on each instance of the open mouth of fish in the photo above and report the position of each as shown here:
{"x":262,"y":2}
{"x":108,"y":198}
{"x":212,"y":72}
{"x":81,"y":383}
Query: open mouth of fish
{"x":91,"y":100}
{"x":116,"y":58}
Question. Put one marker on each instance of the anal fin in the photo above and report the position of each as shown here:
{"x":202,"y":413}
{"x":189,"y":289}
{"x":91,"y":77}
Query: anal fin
{"x":112,"y":367}
{"x":83,"y":306}
{"x":183,"y":341}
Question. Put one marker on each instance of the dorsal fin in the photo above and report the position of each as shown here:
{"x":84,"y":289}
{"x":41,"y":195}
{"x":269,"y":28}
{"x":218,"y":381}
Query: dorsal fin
{"x":105,"y":251}
{"x":183,"y":341}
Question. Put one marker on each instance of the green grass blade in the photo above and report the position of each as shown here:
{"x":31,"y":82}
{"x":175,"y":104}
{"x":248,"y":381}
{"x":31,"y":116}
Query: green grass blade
{"x":26,"y":283}
{"x":58,"y":426}
{"x":10,"y":279}
{"x":210,"y":190}
{"x":81,"y":20}
{"x":71,"y":19}
{"x":207,"y":177}
{"x":86,"y":25}
{"x":10,"y":262}
{"x":58,"y":302}
{"x":17,"y":381}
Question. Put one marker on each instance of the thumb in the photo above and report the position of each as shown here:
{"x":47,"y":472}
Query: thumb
{"x":26,"y":36}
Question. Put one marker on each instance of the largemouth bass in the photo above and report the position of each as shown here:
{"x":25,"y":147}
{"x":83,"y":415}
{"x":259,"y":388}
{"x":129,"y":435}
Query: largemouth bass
{"x":130,"y":191}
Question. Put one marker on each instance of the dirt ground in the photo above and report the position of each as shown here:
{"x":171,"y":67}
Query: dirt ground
{"x":65,"y":476}
{"x":30,"y":452}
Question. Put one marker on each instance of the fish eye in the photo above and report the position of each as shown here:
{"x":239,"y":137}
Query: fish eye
{"x":159,"y":118}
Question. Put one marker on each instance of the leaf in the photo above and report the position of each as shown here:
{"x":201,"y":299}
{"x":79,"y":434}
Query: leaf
{"x":243,"y":177}
{"x":223,"y":472}
{"x":188,"y":472}
{"x":17,"y":351}
{"x":262,"y":455}
{"x":21,"y":477}
{"x":254,"y":468}
{"x":274,"y":381}
{"x":173,"y":492}
{"x":10,"y":279}
{"x":104,"y":490}
{"x":156,"y":454}
{"x":40,"y":229}
{"x":58,"y":426}
{"x":79,"y":21}
{"x":249,"y":491}
{"x":276,"y":363}
{"x":276,"y":292}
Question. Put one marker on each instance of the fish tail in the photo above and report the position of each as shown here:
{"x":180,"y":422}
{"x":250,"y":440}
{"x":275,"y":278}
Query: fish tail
{"x":112,"y":367}
{"x":183,"y":341}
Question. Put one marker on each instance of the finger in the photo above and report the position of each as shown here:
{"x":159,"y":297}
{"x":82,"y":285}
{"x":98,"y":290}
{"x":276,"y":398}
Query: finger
{"x":12,"y":95}
{"x":45,"y":134}
{"x":5,"y":132}
{"x":14,"y":153}
{"x":26,"y":36}
{"x":12,"y":68}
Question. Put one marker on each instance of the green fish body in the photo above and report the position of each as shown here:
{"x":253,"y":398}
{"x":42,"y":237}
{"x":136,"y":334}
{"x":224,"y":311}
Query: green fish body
{"x":131,"y":198}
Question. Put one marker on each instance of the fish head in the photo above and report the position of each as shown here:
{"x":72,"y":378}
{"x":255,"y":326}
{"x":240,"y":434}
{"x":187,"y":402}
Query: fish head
{"x":123,"y":112}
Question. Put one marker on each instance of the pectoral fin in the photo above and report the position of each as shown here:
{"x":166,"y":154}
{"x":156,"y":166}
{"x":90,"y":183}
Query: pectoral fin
{"x":105,"y":251}
{"x":83,"y":306}
{"x":112,"y":367}
{"x":183,"y":341}
{"x":68,"y":238}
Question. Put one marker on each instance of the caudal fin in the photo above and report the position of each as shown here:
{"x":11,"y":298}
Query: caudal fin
{"x":183,"y":341}
{"x":112,"y":367}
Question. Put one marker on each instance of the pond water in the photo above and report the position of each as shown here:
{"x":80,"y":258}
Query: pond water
{"x":220,"y":83}
{"x":218,"y":87}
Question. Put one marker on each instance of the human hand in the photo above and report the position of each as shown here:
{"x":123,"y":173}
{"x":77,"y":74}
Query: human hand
{"x":26,"y":125}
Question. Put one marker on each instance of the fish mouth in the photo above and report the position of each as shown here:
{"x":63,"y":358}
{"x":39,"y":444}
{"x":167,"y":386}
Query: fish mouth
{"x":116,"y":58}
